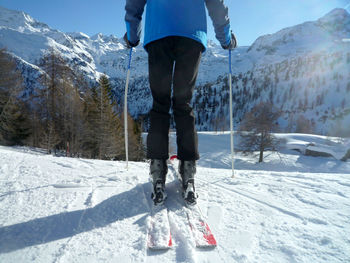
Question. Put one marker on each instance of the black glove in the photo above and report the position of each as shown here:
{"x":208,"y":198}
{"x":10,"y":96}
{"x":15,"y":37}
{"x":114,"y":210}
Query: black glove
{"x":129,"y":44}
{"x":232,"y":44}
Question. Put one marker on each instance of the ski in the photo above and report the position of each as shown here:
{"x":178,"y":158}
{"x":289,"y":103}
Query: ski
{"x":200,"y":229}
{"x":159,"y":235}
{"x":201,"y":232}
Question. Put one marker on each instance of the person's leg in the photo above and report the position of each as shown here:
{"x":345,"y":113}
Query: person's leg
{"x":187,"y":55}
{"x":160,"y":64}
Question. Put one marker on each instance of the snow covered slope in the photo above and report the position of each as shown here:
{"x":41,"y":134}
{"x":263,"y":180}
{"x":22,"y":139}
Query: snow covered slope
{"x":303,"y":70}
{"x":327,"y":33}
{"x":291,"y":208}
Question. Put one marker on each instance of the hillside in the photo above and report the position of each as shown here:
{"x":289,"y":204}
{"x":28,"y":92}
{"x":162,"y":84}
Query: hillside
{"x":291,"y":208}
{"x":302,"y":70}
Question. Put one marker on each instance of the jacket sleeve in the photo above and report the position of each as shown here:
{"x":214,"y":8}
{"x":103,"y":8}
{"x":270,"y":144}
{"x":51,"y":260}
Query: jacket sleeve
{"x":134,"y":10}
{"x":218,"y":13}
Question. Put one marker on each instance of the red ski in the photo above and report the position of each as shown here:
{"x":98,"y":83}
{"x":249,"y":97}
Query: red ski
{"x":202,"y":234}
{"x":159,"y":235}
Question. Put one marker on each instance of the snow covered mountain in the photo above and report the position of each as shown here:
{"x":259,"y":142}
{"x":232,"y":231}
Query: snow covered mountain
{"x":327,"y":33}
{"x":303,"y":70}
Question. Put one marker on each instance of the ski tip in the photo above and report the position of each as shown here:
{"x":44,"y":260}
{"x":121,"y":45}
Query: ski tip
{"x":209,"y":237}
{"x":206,"y":246}
{"x":173,"y":157}
{"x":170,"y":244}
{"x":160,"y":246}
{"x":211,"y":240}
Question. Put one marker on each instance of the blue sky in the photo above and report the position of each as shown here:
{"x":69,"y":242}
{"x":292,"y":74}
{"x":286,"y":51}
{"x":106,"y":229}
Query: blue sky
{"x":249,"y":18}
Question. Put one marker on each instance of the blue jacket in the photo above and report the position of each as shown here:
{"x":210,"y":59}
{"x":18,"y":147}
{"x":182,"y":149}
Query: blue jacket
{"x":185,"y":18}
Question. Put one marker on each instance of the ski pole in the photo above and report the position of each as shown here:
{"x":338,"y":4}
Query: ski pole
{"x":126,"y":111}
{"x":231,"y":113}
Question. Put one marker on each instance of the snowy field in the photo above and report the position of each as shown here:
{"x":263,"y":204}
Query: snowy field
{"x":291,"y":208}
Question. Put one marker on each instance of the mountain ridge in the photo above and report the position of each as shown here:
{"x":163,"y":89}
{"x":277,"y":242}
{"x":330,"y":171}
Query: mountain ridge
{"x":260,"y":71}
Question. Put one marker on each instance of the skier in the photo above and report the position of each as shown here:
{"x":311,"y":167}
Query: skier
{"x":175,"y":37}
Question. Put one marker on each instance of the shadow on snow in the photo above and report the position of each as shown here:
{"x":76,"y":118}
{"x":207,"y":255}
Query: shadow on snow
{"x":64,"y":225}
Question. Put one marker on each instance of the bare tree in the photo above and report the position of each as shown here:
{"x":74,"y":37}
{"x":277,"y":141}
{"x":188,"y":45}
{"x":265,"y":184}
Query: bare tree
{"x":219,"y":122}
{"x":303,"y":125}
{"x":60,"y":105}
{"x":256,"y":129}
{"x":51,"y":108}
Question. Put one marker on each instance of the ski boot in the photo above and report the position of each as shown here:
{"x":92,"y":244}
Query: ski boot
{"x":187,"y":171}
{"x":158,"y":171}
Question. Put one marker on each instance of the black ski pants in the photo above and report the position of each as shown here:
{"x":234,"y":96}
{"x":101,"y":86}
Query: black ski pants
{"x":173,"y":61}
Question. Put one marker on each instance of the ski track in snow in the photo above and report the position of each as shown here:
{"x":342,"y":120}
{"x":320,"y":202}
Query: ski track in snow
{"x":57,"y":209}
{"x":64,"y":247}
{"x":306,"y":211}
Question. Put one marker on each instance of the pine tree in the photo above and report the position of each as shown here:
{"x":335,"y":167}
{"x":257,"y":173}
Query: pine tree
{"x":110,"y":134}
{"x":90,"y":136}
{"x":14,"y":125}
{"x":136,"y":147}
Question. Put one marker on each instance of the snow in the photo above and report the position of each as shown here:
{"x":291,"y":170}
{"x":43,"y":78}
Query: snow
{"x":159,"y":236}
{"x":291,"y":208}
{"x":331,"y":145}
